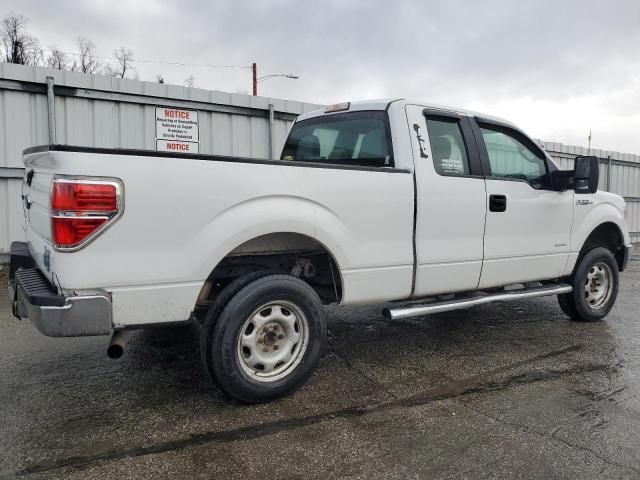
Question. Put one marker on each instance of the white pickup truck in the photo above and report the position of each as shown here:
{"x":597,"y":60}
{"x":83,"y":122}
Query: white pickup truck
{"x":375,"y":201}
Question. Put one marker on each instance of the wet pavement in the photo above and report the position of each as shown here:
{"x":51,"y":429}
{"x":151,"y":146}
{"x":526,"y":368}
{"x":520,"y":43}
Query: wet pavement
{"x":508,"y":390}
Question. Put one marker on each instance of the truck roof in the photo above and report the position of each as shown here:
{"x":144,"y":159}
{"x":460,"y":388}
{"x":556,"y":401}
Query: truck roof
{"x":383,"y":103}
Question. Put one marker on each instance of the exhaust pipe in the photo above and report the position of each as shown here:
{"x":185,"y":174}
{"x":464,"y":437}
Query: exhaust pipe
{"x":118,"y":341}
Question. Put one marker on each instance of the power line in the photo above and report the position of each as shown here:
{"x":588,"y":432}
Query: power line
{"x":165,"y":63}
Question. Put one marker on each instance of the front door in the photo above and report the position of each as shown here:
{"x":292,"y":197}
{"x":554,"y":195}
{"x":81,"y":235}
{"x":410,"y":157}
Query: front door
{"x":528,"y":227}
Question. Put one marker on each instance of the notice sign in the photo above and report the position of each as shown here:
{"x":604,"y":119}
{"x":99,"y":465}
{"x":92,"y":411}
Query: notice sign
{"x":174,"y":146}
{"x":177,"y":130}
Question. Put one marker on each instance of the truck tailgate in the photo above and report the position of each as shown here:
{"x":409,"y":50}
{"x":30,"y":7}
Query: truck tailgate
{"x":36,"y":189}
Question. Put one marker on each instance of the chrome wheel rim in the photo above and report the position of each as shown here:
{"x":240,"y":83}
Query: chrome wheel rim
{"x":272,"y":341}
{"x":598,"y":285}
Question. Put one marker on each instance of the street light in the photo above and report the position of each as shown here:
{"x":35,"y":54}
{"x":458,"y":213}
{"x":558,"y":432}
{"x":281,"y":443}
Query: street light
{"x":287,"y":75}
{"x":257,"y":79}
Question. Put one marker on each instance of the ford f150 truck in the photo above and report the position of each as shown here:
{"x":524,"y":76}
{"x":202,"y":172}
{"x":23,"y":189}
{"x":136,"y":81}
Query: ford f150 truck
{"x":381,"y":201}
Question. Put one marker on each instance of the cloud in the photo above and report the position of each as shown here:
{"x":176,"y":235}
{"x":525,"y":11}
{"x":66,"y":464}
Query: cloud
{"x":556,"y":68}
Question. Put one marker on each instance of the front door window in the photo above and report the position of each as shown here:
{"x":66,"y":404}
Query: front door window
{"x":511,"y":159}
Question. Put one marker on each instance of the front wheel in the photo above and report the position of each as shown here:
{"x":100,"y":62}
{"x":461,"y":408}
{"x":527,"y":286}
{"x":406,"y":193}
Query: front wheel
{"x":266,"y":340}
{"x":595,"y":287}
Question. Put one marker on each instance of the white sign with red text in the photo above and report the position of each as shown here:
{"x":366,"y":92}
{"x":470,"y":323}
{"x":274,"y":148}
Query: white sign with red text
{"x":177,"y":130}
{"x":177,"y":147}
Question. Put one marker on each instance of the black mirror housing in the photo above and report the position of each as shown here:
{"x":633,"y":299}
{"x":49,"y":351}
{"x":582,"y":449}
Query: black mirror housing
{"x":586,"y":174}
{"x":561,"y":180}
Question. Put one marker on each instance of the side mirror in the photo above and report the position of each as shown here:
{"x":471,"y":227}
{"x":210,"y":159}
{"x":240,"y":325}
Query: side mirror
{"x":561,"y":180}
{"x":586,"y":173}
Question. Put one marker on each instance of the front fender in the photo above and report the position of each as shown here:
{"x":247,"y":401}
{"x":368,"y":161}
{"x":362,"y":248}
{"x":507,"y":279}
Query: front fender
{"x":598,"y":214}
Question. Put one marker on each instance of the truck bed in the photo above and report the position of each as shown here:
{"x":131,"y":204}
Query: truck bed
{"x":184,"y":213}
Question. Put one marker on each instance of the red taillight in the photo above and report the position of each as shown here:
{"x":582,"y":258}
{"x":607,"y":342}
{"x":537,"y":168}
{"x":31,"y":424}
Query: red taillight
{"x":84,"y":196}
{"x":80,"y":209}
{"x":69,"y":231}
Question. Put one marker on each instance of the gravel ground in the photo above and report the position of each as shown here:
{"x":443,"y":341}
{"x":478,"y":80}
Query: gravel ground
{"x":4,"y":275}
{"x":507,"y":390}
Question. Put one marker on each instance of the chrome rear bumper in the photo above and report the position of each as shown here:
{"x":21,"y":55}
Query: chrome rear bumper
{"x":54,"y":314}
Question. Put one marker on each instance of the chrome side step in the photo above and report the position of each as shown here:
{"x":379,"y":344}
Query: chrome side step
{"x":472,"y":300}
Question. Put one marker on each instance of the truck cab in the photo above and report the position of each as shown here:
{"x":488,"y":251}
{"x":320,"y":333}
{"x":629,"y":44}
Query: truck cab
{"x":490,"y":207}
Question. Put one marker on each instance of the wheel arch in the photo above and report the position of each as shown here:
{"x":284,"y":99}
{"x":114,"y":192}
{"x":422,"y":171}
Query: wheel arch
{"x":607,"y":234}
{"x":287,"y":252}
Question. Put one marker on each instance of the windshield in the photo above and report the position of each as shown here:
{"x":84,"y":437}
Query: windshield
{"x":355,"y":138}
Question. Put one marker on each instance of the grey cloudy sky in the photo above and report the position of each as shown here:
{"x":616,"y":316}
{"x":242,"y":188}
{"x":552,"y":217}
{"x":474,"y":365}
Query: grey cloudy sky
{"x":556,"y":68}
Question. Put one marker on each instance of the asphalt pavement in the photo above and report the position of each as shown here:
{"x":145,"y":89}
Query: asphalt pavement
{"x":506,"y":390}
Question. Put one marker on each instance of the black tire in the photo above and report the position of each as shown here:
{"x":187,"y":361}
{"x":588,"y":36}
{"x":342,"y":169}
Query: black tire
{"x":215,"y":310}
{"x":567,"y":306}
{"x":225,"y":320}
{"x":575,"y":304}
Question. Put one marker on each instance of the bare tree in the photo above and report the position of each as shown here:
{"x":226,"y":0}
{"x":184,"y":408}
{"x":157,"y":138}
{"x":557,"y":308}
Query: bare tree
{"x":36,"y":54}
{"x":16,"y":45}
{"x":109,"y":71}
{"x":190,"y":81}
{"x":74,"y":64}
{"x":57,"y":59}
{"x":87,"y":61}
{"x":124,"y":56}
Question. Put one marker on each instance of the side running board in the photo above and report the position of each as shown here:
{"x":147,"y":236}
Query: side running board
{"x":475,"y":298}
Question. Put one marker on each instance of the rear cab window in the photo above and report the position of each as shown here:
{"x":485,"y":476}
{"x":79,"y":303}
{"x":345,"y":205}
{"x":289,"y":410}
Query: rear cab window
{"x":351,"y":138}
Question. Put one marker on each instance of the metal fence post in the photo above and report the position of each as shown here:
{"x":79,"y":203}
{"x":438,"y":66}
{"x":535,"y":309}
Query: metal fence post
{"x":609,"y":173}
{"x":272,"y":153}
{"x":51,"y":111}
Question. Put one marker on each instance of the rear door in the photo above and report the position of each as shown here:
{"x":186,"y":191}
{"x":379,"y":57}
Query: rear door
{"x":528,"y":224}
{"x":450,"y":201}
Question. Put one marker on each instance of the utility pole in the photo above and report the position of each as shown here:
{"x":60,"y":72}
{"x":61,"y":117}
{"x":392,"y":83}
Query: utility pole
{"x":254,"y":68}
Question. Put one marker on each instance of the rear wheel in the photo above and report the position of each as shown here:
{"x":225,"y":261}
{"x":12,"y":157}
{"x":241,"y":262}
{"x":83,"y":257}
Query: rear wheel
{"x":214,"y":311}
{"x":595,"y":287}
{"x":266,"y":340}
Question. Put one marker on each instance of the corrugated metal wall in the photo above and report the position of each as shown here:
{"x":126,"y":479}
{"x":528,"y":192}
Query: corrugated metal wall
{"x":109,"y":112}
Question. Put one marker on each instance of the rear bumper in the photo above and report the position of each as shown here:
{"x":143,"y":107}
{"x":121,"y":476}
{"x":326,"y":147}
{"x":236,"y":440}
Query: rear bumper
{"x":53,"y":314}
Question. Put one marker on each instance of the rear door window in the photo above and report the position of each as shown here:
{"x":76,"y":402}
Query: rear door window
{"x":447,"y":147}
{"x":352,"y":138}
